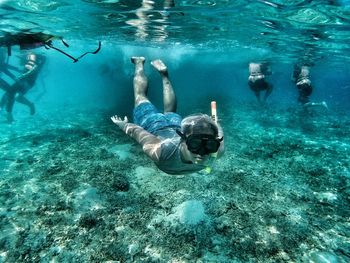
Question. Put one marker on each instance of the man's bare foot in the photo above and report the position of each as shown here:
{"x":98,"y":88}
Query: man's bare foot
{"x":324,"y":104}
{"x":137,"y":60}
{"x":159,"y":65}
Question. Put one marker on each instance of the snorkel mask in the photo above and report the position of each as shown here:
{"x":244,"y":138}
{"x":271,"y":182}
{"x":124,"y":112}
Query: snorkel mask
{"x":202,"y":144}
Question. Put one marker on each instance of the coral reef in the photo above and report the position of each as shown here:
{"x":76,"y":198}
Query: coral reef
{"x":79,"y":190}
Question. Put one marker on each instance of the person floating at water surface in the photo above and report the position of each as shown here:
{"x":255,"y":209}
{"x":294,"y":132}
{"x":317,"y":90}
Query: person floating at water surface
{"x":257,"y":80}
{"x":176,"y":145}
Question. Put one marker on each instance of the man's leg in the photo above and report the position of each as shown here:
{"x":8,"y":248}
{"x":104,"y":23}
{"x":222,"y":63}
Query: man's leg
{"x":257,"y":95}
{"x":5,"y":86}
{"x":21,"y":99}
{"x":316,"y":104}
{"x":169,"y":97}
{"x":10,"y":100}
{"x":140,"y":81}
{"x":268,"y":91}
{"x":254,"y":86}
{"x":3,"y":101}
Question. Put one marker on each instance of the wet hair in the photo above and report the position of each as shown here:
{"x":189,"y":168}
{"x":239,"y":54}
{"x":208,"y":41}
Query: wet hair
{"x":199,"y":124}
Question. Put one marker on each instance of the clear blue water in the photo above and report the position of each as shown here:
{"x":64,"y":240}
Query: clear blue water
{"x":223,"y":35}
{"x":278,"y":26}
{"x":281,"y":192}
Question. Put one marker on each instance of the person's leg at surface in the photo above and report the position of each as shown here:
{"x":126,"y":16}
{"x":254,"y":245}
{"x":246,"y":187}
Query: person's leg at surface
{"x":145,"y":113}
{"x":322,"y":104}
{"x":21,"y":99}
{"x":3,"y":101}
{"x":10,"y":100}
{"x":140,"y":81}
{"x":257,"y":95}
{"x":304,"y":100}
{"x":305,"y":90}
{"x":169,"y":97}
{"x":254,"y":86}
{"x":5,"y":86}
{"x":268,"y":91}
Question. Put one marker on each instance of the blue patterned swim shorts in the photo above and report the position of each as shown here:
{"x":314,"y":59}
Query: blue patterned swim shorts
{"x":148,"y":117}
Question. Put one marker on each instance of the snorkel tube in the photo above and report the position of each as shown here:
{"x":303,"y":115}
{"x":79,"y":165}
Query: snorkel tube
{"x":214,"y":117}
{"x":214,"y":114}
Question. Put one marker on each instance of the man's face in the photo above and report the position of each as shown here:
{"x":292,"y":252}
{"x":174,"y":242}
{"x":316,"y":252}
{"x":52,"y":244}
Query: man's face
{"x":194,"y":157}
{"x":200,"y":146}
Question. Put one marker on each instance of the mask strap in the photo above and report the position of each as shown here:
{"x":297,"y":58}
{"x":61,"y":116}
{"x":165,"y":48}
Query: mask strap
{"x":183,"y":136}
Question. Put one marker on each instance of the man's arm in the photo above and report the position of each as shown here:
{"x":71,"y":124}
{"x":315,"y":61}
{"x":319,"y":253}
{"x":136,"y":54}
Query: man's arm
{"x":151,"y":144}
{"x":28,"y":73}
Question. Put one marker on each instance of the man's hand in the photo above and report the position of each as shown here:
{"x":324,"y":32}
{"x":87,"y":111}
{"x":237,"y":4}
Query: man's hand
{"x":150,"y":143}
{"x":121,"y":123}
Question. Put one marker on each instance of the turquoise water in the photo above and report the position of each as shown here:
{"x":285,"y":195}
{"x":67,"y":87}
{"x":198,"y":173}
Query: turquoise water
{"x":74,"y":188}
{"x":284,"y":28}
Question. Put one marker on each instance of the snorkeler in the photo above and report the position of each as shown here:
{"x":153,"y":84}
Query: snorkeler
{"x":176,"y":145}
{"x":301,"y":77}
{"x":257,"y":80}
{"x":33,"y":65}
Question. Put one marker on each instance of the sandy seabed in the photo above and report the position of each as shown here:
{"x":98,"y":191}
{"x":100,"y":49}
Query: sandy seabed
{"x":73,"y":188}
